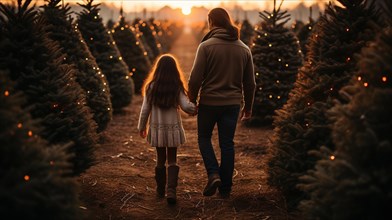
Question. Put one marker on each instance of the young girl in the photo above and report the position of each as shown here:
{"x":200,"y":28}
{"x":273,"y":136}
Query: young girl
{"x":164,"y":92}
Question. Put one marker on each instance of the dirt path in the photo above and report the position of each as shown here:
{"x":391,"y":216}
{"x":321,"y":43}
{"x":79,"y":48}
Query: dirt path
{"x":121,"y":185}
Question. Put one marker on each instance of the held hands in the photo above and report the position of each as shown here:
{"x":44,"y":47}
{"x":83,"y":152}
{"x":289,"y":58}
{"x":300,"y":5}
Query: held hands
{"x":143,"y":134}
{"x":195,"y":112}
{"x":245,"y":115}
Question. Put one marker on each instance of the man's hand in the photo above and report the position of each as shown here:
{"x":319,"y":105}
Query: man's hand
{"x":143,"y":134}
{"x":245,"y":115}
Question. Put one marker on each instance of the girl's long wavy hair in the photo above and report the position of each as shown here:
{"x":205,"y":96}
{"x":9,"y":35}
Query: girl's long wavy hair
{"x":219,"y":17}
{"x":164,"y":83}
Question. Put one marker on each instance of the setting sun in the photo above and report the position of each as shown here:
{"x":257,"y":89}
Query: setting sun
{"x":186,"y":10}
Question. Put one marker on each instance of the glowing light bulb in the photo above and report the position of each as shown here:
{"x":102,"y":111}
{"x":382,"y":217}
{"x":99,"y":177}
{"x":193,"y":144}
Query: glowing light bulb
{"x":332,"y":157}
{"x":366,"y":84}
{"x":20,"y":125}
{"x":384,"y":78}
{"x":270,"y":96}
{"x":270,"y":45}
{"x":359,"y":78}
{"x":26,"y":177}
{"x":30,"y":133}
{"x":6,"y":93}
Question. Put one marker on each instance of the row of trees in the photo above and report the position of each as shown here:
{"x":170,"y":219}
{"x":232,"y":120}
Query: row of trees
{"x":61,"y":79}
{"x":331,"y":143}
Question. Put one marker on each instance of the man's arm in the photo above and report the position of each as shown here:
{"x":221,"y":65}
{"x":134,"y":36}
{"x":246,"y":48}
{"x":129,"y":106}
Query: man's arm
{"x":249,"y":85}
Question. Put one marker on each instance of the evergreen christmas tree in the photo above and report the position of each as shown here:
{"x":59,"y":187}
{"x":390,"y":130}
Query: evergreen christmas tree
{"x":149,"y":53}
{"x":160,"y":35}
{"x":148,"y":33}
{"x":357,"y":175}
{"x":34,"y":177}
{"x":301,"y":125}
{"x":106,"y":53}
{"x":171,"y":31}
{"x":60,"y":29}
{"x":276,"y":58}
{"x":304,"y":33}
{"x":296,"y":26}
{"x":132,"y":51}
{"x":53,"y":96}
{"x":110,"y":24}
{"x":246,"y":32}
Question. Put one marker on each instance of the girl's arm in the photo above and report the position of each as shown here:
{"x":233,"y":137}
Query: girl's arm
{"x":144,"y":115}
{"x":186,"y":105}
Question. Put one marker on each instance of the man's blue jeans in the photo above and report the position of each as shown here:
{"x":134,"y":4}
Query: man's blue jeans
{"x":226,"y":118}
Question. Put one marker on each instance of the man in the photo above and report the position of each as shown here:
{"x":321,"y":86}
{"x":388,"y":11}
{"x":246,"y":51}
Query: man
{"x":223,"y":78}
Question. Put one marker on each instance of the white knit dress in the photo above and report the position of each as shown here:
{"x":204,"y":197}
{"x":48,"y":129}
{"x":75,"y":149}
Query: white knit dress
{"x":165,"y":126}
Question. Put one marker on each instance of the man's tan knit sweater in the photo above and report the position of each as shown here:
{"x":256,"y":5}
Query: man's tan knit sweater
{"x":222,"y":72}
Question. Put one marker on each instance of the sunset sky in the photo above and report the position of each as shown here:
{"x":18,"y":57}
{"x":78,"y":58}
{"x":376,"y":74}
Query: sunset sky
{"x":132,"y":5}
{"x":138,"y":5}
